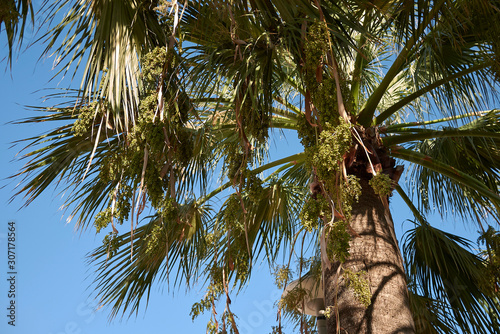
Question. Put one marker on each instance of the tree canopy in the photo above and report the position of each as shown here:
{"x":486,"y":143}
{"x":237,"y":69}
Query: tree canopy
{"x":172,"y":127}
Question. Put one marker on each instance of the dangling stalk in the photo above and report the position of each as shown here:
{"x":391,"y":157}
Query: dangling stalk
{"x":360,"y":140}
{"x":94,"y":149}
{"x":139,"y":196}
{"x":228,"y":301}
{"x":113,"y":204}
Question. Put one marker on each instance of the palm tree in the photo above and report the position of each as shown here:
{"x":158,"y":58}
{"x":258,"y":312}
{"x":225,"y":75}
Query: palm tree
{"x":175,"y":93}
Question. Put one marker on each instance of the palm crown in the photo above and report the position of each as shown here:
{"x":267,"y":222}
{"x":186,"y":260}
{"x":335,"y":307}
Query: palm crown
{"x":173,"y":94}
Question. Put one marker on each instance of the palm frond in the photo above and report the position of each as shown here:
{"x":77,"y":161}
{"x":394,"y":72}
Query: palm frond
{"x":56,"y":154}
{"x":486,"y":127}
{"x":431,"y":316}
{"x":125,"y":276}
{"x":14,"y":14}
{"x":440,"y":58}
{"x":441,"y":265}
{"x":462,"y":160}
{"x":112,"y":36}
{"x":464,"y":188}
{"x":467,"y":82}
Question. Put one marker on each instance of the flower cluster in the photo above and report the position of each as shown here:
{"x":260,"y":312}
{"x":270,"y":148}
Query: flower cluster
{"x":338,"y":238}
{"x":359,"y":285}
{"x":334,"y":142}
{"x":381,"y":184}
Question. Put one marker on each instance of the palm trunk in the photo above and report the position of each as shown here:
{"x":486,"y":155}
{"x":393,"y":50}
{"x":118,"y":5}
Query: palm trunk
{"x":376,"y":252}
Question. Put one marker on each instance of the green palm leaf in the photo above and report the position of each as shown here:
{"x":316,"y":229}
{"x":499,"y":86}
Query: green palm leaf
{"x":441,"y":265}
{"x":14,"y":14}
{"x":431,"y":316}
{"x":463,"y":160}
{"x":124,"y":276}
{"x":113,"y":35}
{"x":438,"y":57}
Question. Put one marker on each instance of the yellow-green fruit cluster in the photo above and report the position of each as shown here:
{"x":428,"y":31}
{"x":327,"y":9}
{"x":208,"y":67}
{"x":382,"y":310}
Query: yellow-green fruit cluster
{"x":232,"y":215}
{"x":235,"y":163}
{"x":153,"y":64}
{"x":253,"y":187}
{"x":359,"y":285}
{"x":214,"y":290}
{"x":282,"y":276}
{"x":255,"y":120}
{"x":155,"y":238}
{"x":307,"y":134}
{"x":312,"y":210}
{"x":111,"y":243}
{"x":349,"y":194}
{"x":121,"y":201}
{"x":381,"y":184}
{"x":168,"y":209}
{"x":338,"y":239}
{"x":86,"y":115}
{"x":103,"y":219}
{"x":325,"y":100}
{"x":334,"y":142}
{"x":238,"y":253}
{"x":314,"y":49}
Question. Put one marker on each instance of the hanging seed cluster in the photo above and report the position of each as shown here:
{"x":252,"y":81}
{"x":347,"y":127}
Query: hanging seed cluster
{"x":168,"y":209}
{"x":315,"y":49}
{"x":231,"y":215}
{"x":282,"y":276}
{"x":155,"y":238}
{"x":163,"y":143}
{"x":337,"y":231}
{"x":85,"y":121}
{"x":337,"y":247}
{"x":326,"y":145}
{"x":157,"y":64}
{"x":235,"y":162}
{"x":325,"y":101}
{"x":381,"y":184}
{"x":491,"y":239}
{"x":112,"y":243}
{"x":255,"y":120}
{"x":236,"y":169}
{"x":307,"y":134}
{"x":214,"y":290}
{"x":249,"y":192}
{"x":233,"y":222}
{"x":350,"y":192}
{"x":121,"y":199}
{"x":359,"y":284}
{"x":337,"y":235}
{"x":312,"y":210}
{"x":333,"y":144}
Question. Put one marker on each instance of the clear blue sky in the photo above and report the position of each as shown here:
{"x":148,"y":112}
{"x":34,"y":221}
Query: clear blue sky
{"x":53,"y":277}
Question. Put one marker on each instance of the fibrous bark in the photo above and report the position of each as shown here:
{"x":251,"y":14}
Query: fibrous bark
{"x":375,"y":250}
